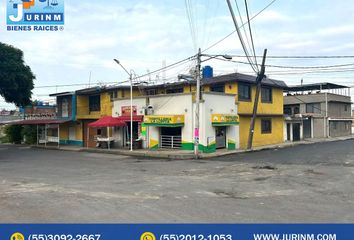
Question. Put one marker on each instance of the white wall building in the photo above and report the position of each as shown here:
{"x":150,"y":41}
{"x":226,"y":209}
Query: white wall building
{"x":169,"y":121}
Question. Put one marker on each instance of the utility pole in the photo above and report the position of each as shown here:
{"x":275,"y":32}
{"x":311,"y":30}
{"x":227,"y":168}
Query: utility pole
{"x":131,"y":101}
{"x":259,"y":79}
{"x":197,"y":103}
{"x":131,"y":110}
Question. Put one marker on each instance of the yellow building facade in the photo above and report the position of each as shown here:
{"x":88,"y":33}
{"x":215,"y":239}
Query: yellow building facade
{"x":94,"y":103}
{"x":269,"y":124}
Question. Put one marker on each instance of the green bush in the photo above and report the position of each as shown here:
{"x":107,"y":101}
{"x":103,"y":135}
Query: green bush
{"x":14,"y":133}
{"x":30,"y":134}
{"x":4,"y":139}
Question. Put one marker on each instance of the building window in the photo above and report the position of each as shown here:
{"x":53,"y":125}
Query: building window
{"x":54,"y":132}
{"x":65,"y":108}
{"x":150,"y":92}
{"x":217,"y":88}
{"x":266,"y":126}
{"x":174,"y":90}
{"x":287,"y":111}
{"x":94,"y":103}
{"x":266,"y":95}
{"x":296,"y":110}
{"x":113,"y":95}
{"x":244,"y":92}
{"x":313,"y":108}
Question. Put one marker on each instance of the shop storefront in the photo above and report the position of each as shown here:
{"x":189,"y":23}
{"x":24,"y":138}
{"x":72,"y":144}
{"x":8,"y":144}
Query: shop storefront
{"x":165,"y":131}
{"x":169,"y":121}
{"x":226,"y":128}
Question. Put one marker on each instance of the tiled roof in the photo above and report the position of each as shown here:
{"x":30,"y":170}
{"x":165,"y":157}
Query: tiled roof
{"x":239,"y":77}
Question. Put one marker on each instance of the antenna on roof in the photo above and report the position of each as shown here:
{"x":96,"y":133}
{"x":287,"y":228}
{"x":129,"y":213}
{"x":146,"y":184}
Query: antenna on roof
{"x":90,"y":79}
{"x":164,"y":71}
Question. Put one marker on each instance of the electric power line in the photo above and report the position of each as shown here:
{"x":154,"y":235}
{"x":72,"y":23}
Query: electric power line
{"x":241,"y":38}
{"x":294,"y":67}
{"x":221,"y":40}
{"x":244,"y":30}
{"x":302,"y":57}
{"x":249,"y":27}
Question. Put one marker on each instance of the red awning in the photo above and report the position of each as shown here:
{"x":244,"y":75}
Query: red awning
{"x":136,"y":118}
{"x":107,"y":121}
{"x":38,"y":122}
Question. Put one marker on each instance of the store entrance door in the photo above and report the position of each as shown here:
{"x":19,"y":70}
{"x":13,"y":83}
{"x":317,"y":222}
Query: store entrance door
{"x":220,"y":137}
{"x":171,"y":137}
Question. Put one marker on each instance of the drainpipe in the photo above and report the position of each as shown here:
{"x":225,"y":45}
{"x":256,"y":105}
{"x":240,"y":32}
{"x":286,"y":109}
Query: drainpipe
{"x":326,"y":117}
{"x":73,"y":107}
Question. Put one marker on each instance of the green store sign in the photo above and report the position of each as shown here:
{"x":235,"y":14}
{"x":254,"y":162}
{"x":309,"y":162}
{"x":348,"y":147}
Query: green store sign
{"x":164,"y":120}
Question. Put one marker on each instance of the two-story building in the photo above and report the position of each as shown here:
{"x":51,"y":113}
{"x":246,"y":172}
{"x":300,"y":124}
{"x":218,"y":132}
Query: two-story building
{"x":269,"y":118}
{"x":70,"y":129}
{"x":317,"y":110}
{"x":168,"y":121}
{"x":96,"y":102}
{"x":225,"y":113}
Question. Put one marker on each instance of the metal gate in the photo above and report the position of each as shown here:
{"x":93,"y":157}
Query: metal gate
{"x":220,"y":137}
{"x":170,"y":141}
{"x":307,"y":128}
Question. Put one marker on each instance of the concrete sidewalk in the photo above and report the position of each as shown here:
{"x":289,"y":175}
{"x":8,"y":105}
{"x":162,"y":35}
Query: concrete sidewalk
{"x":182,"y":154}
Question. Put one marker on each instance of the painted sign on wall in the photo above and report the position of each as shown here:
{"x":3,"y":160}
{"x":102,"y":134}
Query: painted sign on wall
{"x":164,"y":120}
{"x":224,"y":119}
{"x":126,"y":110}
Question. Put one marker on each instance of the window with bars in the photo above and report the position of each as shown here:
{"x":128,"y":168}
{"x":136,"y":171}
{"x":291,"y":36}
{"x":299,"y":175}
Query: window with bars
{"x":266,"y":126}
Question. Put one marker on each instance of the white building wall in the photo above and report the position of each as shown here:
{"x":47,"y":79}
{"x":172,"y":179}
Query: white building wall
{"x":176,"y":104}
{"x":140,"y":103}
{"x":215,"y":103}
{"x":118,"y":133}
{"x":182,"y":104}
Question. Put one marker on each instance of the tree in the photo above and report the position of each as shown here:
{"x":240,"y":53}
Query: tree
{"x":16,"y":78}
{"x":29,"y":133}
{"x":14,"y":133}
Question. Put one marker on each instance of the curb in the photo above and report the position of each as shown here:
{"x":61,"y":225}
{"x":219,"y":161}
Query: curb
{"x":187,"y":156}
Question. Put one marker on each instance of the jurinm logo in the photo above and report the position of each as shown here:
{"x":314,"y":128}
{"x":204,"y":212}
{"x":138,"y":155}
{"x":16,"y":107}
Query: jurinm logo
{"x":35,"y":12}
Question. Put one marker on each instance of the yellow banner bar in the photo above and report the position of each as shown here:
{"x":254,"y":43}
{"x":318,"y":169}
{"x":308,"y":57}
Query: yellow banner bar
{"x":159,"y":120}
{"x":226,"y":119}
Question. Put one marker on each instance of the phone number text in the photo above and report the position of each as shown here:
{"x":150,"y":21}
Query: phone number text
{"x":195,"y":237}
{"x":64,"y":237}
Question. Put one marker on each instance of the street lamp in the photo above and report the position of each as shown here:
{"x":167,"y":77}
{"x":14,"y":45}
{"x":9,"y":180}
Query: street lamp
{"x":131,"y":102}
{"x":197,"y":101}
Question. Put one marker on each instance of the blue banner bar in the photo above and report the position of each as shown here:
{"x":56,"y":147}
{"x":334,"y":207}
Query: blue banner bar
{"x":177,"y":231}
{"x":44,"y":17}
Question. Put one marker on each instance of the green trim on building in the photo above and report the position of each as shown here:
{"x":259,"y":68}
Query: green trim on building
{"x":231,"y":144}
{"x":187,"y":146}
{"x":155,"y":147}
{"x":224,"y":123}
{"x":71,"y":142}
{"x":207,"y":149}
{"x":164,"y":125}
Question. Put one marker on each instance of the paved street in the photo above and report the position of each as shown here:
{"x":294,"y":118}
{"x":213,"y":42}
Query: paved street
{"x":310,"y":183}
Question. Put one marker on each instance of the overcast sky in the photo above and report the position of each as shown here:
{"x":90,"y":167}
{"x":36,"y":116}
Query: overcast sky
{"x":144,"y":34}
